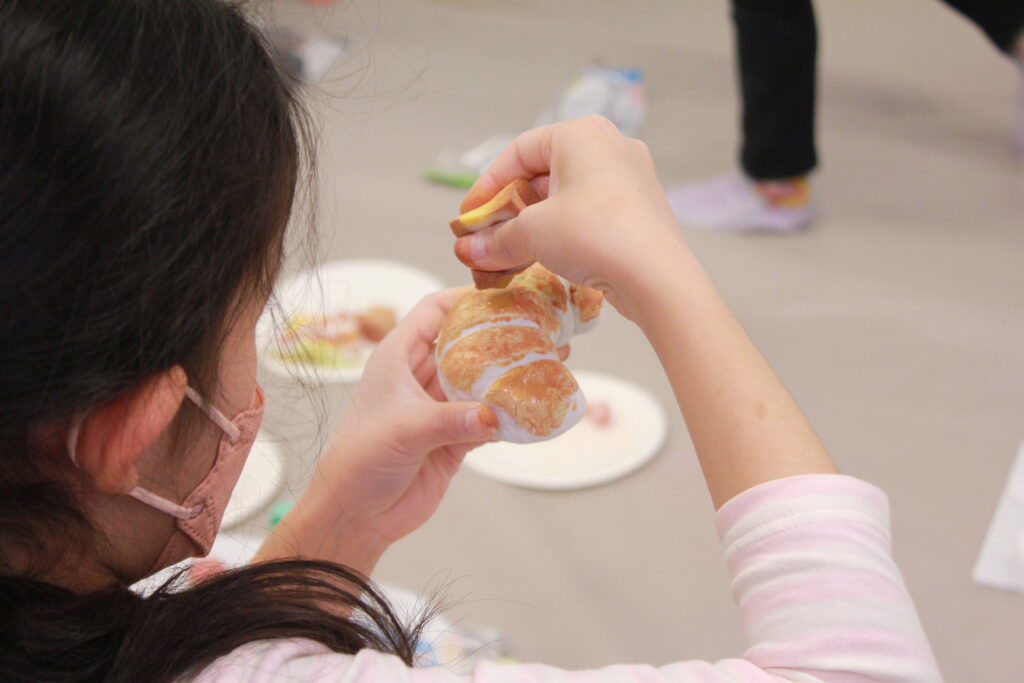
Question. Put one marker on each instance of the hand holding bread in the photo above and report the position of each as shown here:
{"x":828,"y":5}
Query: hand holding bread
{"x":584,"y":201}
{"x":499,"y":345}
{"x":601,"y":221}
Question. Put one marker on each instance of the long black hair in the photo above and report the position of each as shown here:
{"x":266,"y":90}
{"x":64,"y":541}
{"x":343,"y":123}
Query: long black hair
{"x":149,"y":155}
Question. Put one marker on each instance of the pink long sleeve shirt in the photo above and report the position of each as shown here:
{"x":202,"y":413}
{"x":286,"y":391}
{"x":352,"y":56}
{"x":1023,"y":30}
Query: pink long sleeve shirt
{"x":812,"y":573}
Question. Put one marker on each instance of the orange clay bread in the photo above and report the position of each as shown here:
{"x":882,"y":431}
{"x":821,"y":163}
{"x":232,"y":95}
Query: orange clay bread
{"x":500,"y":347}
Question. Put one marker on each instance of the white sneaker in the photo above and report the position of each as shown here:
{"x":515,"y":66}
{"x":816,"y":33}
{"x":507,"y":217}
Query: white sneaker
{"x":731,"y":203}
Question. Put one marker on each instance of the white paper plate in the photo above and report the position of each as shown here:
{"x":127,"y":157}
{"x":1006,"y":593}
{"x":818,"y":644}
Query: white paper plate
{"x":587,"y":454}
{"x":343,"y":286}
{"x":261,"y":481}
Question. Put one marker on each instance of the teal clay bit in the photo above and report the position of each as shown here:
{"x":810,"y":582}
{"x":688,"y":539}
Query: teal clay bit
{"x":279,"y":510}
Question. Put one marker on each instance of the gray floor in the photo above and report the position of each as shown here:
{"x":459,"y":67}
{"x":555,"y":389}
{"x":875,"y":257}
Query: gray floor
{"x":897,"y":322}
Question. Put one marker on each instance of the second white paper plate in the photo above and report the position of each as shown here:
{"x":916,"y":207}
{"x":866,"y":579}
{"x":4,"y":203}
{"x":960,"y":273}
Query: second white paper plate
{"x":343,"y":286}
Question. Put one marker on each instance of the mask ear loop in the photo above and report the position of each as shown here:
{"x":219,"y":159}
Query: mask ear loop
{"x":148,"y":497}
{"x":219,"y":419}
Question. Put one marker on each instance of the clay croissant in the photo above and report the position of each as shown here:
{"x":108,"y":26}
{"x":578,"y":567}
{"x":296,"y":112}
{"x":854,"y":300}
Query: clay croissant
{"x":500,"y":346}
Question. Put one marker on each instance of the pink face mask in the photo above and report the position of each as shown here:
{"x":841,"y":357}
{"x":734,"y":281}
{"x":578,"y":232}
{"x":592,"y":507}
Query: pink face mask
{"x":199,"y":515}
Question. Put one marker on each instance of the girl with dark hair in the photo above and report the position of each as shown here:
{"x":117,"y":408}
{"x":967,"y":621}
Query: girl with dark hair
{"x":149,"y":154}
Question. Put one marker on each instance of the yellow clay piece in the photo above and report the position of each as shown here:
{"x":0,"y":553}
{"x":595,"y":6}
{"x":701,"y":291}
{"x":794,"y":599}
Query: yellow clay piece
{"x":509,"y":201}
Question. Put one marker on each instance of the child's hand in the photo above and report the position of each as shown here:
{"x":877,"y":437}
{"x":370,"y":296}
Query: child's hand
{"x":397,"y":447}
{"x":605,"y":220}
{"x":399,"y":442}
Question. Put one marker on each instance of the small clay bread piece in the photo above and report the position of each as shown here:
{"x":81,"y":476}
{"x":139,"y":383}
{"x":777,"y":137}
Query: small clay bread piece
{"x":507,"y":204}
{"x":509,"y":201}
{"x":588,"y":300}
{"x":375,"y":323}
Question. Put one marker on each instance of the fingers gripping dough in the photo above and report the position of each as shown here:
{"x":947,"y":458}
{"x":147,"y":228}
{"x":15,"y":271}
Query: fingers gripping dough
{"x":507,"y":204}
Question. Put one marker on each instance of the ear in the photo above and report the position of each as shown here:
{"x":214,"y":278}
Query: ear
{"x":111,"y":439}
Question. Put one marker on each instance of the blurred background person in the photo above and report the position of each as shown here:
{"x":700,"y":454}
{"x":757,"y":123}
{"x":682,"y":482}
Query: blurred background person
{"x":776,"y":50}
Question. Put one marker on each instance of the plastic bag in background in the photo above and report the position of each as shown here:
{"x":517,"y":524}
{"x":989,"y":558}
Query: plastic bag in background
{"x":461,"y":169}
{"x":618,"y":94}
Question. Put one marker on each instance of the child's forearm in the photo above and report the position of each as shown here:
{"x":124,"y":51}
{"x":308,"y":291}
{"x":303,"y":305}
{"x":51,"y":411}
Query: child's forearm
{"x":745,"y":426}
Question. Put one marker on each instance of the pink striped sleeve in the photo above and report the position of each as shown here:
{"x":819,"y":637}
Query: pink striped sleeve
{"x":819,"y":595}
{"x":816,"y":584}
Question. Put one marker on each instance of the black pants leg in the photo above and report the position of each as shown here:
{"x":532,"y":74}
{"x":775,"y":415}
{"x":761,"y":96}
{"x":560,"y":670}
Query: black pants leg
{"x":1001,"y":20}
{"x":777,"y":45}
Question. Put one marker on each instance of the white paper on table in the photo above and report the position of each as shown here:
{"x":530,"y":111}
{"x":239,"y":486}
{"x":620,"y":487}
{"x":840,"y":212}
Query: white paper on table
{"x":1001,"y":562}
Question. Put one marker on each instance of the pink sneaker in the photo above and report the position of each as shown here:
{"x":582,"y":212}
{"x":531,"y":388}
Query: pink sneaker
{"x":732,"y":203}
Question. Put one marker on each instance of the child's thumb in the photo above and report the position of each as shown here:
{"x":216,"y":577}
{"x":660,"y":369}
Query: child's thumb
{"x":505,"y":246}
{"x":445,"y":424}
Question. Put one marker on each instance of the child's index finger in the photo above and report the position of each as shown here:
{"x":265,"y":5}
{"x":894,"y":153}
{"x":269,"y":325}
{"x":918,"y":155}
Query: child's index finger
{"x":528,"y":156}
{"x":482,"y":191}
